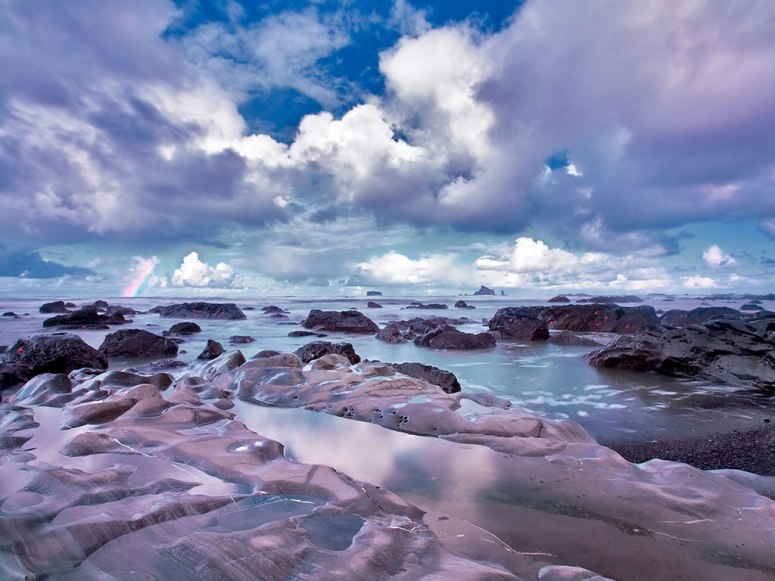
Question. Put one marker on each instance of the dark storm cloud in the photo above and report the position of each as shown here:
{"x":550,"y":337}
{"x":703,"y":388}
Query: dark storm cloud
{"x":32,"y":265}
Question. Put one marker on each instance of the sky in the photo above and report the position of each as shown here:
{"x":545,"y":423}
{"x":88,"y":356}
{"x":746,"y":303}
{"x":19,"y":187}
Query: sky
{"x":303,"y":147}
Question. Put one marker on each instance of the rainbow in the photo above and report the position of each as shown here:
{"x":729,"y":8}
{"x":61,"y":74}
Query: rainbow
{"x":142,"y":271}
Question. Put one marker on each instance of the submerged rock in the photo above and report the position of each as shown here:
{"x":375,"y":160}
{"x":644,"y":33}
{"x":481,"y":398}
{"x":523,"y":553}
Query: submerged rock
{"x":55,"y":353}
{"x":273,"y":310}
{"x":137,"y":343}
{"x":340,"y":321}
{"x":241,"y":339}
{"x":201,"y":310}
{"x":317,"y":349}
{"x":727,"y":351}
{"x":373,"y":305}
{"x":185,"y":328}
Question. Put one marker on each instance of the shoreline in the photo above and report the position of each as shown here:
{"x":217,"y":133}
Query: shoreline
{"x":751,"y":450}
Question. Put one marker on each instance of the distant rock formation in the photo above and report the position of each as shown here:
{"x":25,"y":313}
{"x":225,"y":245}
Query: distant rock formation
{"x":484,"y":291}
{"x":430,"y":306}
{"x":373,"y":305}
{"x":559,"y":299}
{"x":615,"y":299}
{"x":463,"y":305}
{"x":373,"y":294}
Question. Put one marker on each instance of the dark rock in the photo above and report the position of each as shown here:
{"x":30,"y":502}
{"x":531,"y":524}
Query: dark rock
{"x":448,"y":337}
{"x":373,"y":294}
{"x":85,"y":317}
{"x":306,"y":334}
{"x":559,"y":299}
{"x":271,"y":310}
{"x":698,"y":316}
{"x":241,"y":339}
{"x":432,"y":306}
{"x":53,"y":307}
{"x":317,"y":349}
{"x":211,"y":351}
{"x":163,"y":364}
{"x":751,"y":307}
{"x":341,"y":321}
{"x":516,"y":324}
{"x":570,"y":338}
{"x":446,"y":380}
{"x":100,"y":304}
{"x":185,"y":328}
{"x":265,"y":354}
{"x":3,"y":348}
{"x":404,"y":331}
{"x":727,"y":351}
{"x":463,"y":305}
{"x":13,"y":374}
{"x":113,"y":309}
{"x":612,"y":299}
{"x":70,"y":305}
{"x":137,"y":343}
{"x":228,"y":311}
{"x":248,"y":308}
{"x":10,"y":314}
{"x":484,"y":291}
{"x":595,"y":318}
{"x":373,"y":305}
{"x":56,"y":353}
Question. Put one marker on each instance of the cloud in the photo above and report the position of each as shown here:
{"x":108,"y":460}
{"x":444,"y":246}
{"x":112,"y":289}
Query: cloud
{"x":716,"y":258}
{"x":192,"y":272}
{"x":395,"y":268}
{"x":33,"y":265}
{"x":698,"y":281}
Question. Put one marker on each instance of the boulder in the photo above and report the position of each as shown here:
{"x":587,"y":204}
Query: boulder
{"x":448,"y":337}
{"x":559,"y":299}
{"x":612,"y":299}
{"x":84,"y":318}
{"x":185,"y":328}
{"x":404,"y":331}
{"x":446,"y":380}
{"x":53,"y":307}
{"x":698,"y":316}
{"x":211,"y":351}
{"x":10,"y":314}
{"x":463,"y":305}
{"x":725,"y":351}
{"x":13,"y":374}
{"x":340,"y":321}
{"x":317,"y":349}
{"x":137,"y":343}
{"x":113,"y":309}
{"x":100,"y":304}
{"x":306,"y":334}
{"x":484,"y":291}
{"x":432,"y":306}
{"x":228,"y":311}
{"x":516,"y":324}
{"x":273,"y":310}
{"x":571,"y":338}
{"x":56,"y":353}
{"x":373,"y":305}
{"x":241,"y":339}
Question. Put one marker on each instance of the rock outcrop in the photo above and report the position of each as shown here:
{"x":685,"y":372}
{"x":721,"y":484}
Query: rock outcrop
{"x":201,"y":310}
{"x":56,"y":353}
{"x":448,"y":337}
{"x":615,"y":299}
{"x":463,"y":305}
{"x":559,"y":299}
{"x":137,"y":343}
{"x":515,"y":323}
{"x":484,"y":291}
{"x":446,"y":380}
{"x":597,"y":318}
{"x":340,"y":322}
{"x":698,"y":316}
{"x":53,"y":307}
{"x":85,"y":318}
{"x":405,"y":331}
{"x":373,"y":305}
{"x":318,"y":349}
{"x":185,"y":328}
{"x":212,"y":350}
{"x":727,"y":351}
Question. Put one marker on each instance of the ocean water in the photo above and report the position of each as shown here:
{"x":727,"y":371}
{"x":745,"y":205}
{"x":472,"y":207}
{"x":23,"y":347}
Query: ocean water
{"x":553,"y":380}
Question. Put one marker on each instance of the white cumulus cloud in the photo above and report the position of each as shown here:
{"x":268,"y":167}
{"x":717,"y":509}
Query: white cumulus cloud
{"x":715,"y":257}
{"x":193,"y":272}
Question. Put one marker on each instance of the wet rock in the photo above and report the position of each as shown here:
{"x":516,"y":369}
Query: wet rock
{"x":517,"y":324}
{"x":615,"y":299}
{"x":10,"y":314}
{"x":341,"y":321}
{"x":597,"y":318}
{"x":404,"y":331}
{"x":241,"y":339}
{"x":698,"y":316}
{"x":484,"y":291}
{"x":373,"y":305}
{"x":201,"y":310}
{"x":13,"y":374}
{"x":185,"y":328}
{"x":85,"y":317}
{"x":306,"y":334}
{"x":211,"y":351}
{"x":100,"y":304}
{"x":559,"y":299}
{"x":726,"y":351}
{"x":56,"y":353}
{"x":114,"y":309}
{"x":53,"y":307}
{"x":463,"y":305}
{"x":430,"y":306}
{"x":137,"y":343}
{"x":317,"y":349}
{"x":448,"y":337}
{"x":446,"y":380}
{"x":44,"y":389}
{"x":273,"y":310}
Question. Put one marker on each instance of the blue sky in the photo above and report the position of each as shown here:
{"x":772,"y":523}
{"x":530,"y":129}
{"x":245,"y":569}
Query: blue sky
{"x":316,"y":147}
